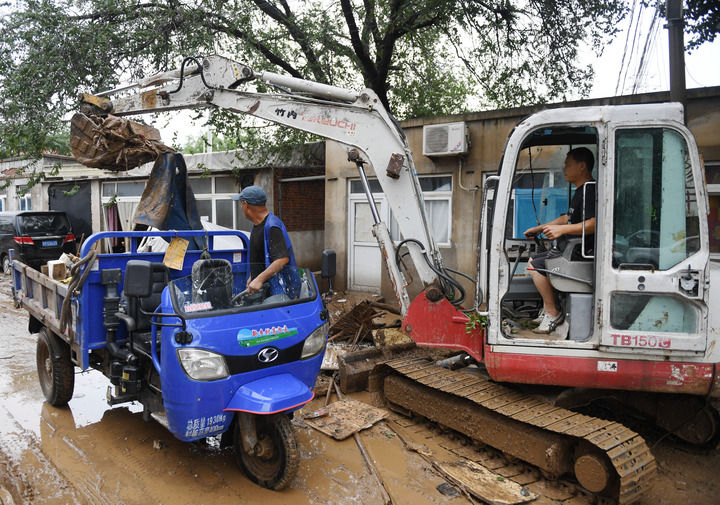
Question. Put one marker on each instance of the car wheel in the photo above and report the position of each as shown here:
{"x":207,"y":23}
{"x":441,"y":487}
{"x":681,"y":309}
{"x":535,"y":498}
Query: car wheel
{"x":55,"y":369}
{"x":6,"y":264}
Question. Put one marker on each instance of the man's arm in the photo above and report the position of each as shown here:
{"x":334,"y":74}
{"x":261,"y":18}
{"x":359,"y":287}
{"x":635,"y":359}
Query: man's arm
{"x":536,"y":230}
{"x":279,"y":255}
{"x":264,"y":276}
{"x":553,"y":231}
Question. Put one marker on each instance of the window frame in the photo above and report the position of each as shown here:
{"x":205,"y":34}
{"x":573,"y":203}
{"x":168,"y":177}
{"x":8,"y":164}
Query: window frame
{"x":24,"y":203}
{"x":437,"y":195}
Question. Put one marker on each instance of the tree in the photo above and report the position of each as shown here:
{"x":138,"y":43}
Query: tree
{"x":703,"y":22}
{"x":201,"y":144}
{"x":422,"y":57}
{"x":702,"y":19}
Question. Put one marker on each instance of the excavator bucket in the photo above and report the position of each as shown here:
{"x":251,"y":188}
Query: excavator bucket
{"x":114,"y":143}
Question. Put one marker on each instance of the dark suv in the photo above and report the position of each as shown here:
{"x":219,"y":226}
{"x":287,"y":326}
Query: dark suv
{"x":37,"y":237}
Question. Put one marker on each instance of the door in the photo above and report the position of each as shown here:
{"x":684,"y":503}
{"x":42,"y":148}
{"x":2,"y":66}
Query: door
{"x":652,"y":291}
{"x":74,"y":199}
{"x":365,"y":261}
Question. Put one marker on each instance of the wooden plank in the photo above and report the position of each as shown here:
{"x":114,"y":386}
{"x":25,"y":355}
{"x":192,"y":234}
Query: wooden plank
{"x":346,"y":417}
{"x":486,"y":485}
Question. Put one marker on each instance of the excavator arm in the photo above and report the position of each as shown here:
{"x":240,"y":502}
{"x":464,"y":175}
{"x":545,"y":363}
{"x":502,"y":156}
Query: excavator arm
{"x":356,"y":120}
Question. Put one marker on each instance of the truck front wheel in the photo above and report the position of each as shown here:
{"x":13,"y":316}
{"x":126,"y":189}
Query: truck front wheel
{"x":55,"y":369}
{"x":274,"y":461}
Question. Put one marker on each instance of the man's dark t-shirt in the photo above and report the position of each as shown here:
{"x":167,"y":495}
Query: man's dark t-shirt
{"x":575,"y":211}
{"x":278,"y":247}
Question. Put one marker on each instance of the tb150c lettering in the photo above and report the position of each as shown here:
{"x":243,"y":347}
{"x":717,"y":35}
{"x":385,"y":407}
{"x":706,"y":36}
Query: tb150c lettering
{"x":642,"y":341}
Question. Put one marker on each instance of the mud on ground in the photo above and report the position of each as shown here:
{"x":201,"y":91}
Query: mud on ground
{"x":89,"y":453}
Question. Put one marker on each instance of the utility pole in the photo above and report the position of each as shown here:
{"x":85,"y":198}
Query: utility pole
{"x":676,"y":45}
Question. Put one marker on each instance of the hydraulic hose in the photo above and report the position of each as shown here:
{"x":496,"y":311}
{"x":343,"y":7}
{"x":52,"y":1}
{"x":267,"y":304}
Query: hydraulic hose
{"x":182,"y":74}
{"x":447,"y":283}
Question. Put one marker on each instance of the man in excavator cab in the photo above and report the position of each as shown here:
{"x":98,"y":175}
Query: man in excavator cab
{"x":579,"y":220}
{"x":272,"y":260}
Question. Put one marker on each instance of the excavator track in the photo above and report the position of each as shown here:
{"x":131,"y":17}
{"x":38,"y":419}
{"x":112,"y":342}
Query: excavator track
{"x":605,"y":457}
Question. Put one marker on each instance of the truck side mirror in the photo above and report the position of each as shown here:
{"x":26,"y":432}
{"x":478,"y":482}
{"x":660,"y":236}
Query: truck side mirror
{"x":138,"y":278}
{"x":327,"y":271}
{"x":328,"y":264}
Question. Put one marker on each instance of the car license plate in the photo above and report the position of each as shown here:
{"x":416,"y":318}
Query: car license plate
{"x":49,"y":243}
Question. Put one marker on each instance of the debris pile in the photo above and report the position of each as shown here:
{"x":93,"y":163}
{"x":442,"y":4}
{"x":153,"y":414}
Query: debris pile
{"x":113,"y":143}
{"x":362,"y":336}
{"x":359,"y":325}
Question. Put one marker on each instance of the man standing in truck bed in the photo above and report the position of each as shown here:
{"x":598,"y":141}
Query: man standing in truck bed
{"x":271,"y":253}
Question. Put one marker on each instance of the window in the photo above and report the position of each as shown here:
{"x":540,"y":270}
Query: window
{"x":125,"y":189}
{"x":213,"y":196}
{"x":3,"y":200}
{"x":437,"y":193}
{"x":655,"y":211}
{"x":214,"y":201}
{"x":540,"y":192}
{"x":652,"y":313}
{"x":24,"y":198}
{"x":712,"y":176}
{"x":201,"y":185}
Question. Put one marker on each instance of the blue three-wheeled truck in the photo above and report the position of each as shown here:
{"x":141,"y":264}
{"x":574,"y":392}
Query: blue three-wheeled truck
{"x":201,"y":355}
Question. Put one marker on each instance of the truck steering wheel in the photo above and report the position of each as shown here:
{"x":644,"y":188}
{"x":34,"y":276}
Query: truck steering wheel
{"x":244,"y":298}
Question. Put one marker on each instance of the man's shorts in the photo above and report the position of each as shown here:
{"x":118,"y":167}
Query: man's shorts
{"x":538,"y":261}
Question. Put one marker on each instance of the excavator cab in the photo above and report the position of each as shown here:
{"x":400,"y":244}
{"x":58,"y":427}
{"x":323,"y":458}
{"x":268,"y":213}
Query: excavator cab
{"x":642,"y":289}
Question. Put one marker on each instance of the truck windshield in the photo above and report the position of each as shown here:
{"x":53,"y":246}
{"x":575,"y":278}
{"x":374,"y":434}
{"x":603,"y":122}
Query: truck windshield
{"x":218,"y":288}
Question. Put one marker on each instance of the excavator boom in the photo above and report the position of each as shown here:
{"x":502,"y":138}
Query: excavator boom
{"x":355,"y":119}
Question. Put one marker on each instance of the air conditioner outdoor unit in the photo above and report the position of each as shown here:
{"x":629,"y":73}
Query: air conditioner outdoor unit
{"x":449,"y":139}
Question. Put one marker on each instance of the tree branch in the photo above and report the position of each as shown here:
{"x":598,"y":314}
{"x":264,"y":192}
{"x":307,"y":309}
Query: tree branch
{"x":286,"y":19}
{"x":271,"y":56}
{"x":361,"y":50}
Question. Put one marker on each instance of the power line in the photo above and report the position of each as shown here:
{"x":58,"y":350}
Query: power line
{"x":632,"y":46}
{"x":650,"y":40}
{"x":627,"y":38}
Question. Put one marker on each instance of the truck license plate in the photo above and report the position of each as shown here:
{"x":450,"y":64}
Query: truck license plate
{"x":48,"y":243}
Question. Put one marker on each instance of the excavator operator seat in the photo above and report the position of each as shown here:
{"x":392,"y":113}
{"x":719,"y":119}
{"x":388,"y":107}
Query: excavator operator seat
{"x":568,"y":275}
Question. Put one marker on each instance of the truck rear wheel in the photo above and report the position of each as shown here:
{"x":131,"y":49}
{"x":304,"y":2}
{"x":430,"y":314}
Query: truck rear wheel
{"x":276,"y":457}
{"x":55,"y":370}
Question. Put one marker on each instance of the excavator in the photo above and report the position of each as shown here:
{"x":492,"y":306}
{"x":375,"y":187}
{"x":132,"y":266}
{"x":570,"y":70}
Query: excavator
{"x":638,"y":331}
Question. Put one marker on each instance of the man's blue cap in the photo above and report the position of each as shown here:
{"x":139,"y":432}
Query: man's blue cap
{"x":254,"y":195}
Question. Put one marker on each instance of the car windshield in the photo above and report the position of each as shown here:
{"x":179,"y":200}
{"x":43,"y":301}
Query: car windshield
{"x":213,"y":287}
{"x":44,"y":224}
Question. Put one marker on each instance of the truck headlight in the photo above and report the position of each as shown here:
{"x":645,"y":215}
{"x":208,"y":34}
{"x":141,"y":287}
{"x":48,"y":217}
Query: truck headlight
{"x":202,"y":365}
{"x":315,"y":342}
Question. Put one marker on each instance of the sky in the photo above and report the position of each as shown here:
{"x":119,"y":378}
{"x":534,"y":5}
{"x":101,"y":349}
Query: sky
{"x":702,"y":66}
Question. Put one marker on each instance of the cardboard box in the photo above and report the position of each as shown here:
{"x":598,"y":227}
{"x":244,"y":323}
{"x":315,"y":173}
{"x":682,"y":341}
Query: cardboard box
{"x":44,"y":269}
{"x":57,"y":270}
